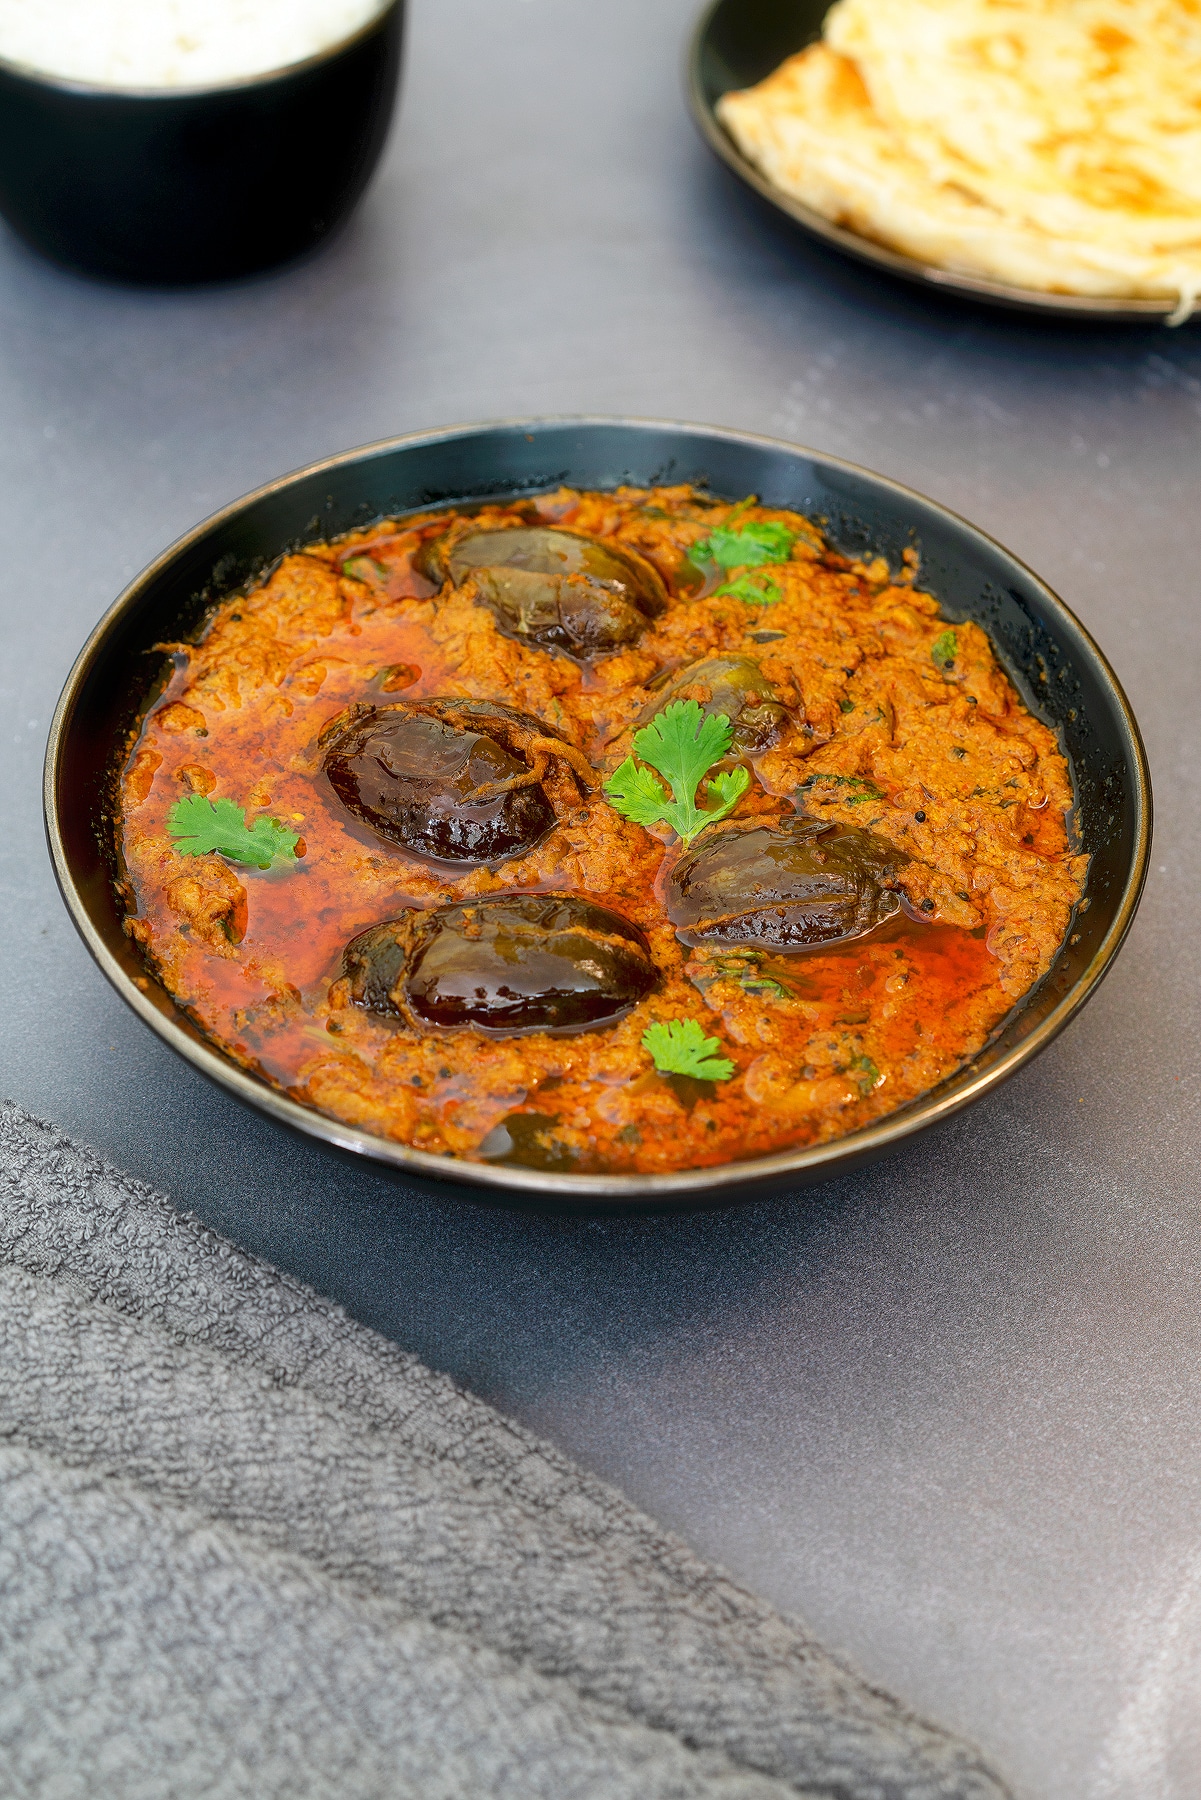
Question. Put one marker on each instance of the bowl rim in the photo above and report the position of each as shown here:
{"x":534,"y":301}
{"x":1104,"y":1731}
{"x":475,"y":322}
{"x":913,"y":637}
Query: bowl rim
{"x":101,"y":90}
{"x":804,"y":1164}
{"x":1103,"y":308}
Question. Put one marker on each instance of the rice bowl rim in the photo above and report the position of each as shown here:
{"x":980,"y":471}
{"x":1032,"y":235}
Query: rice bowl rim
{"x":101,"y":90}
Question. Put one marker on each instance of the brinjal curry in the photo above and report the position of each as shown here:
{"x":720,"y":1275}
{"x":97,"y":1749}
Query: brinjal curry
{"x":596,"y":831}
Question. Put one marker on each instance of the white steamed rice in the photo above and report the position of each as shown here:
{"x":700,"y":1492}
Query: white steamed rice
{"x":173,"y":43}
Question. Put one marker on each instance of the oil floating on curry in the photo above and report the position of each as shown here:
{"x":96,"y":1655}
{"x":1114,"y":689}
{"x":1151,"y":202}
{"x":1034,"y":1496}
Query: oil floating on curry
{"x":596,"y":831}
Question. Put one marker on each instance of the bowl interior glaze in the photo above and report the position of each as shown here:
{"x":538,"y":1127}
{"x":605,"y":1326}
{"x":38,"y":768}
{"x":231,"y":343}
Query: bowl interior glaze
{"x":1058,"y":668}
{"x":737,"y":43}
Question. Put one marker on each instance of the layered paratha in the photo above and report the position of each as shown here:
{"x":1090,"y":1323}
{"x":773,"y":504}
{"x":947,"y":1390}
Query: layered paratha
{"x":1050,"y":144}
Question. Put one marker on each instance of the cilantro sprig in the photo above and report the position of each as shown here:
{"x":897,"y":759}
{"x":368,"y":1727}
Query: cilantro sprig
{"x":745,"y":546}
{"x":743,"y":967}
{"x":680,"y":1047}
{"x":944,"y":650}
{"x":363,"y":568}
{"x":863,"y":790}
{"x":745,"y":587}
{"x":682,"y":743}
{"x":201,"y":827}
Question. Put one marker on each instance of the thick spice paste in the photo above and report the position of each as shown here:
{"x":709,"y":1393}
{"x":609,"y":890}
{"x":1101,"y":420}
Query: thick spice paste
{"x":470,"y":942}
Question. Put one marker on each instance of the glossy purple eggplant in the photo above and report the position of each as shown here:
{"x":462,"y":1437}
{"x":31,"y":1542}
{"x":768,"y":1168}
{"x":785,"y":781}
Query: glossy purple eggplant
{"x":551,"y":588}
{"x":786,"y":886}
{"x":505,"y":963}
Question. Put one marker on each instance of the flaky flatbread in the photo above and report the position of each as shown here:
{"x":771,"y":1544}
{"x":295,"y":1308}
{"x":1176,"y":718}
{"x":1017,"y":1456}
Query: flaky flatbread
{"x":1049,"y":144}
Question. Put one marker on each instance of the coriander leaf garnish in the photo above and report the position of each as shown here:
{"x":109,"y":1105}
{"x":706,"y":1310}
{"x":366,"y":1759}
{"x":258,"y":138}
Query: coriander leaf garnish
{"x":743,"y":968}
{"x":637,"y":794}
{"x":201,"y":827}
{"x":363,"y":568}
{"x":726,"y":787}
{"x":865,"y":790}
{"x":680,"y":1047}
{"x":746,"y":546}
{"x":765,"y":984}
{"x":869,"y":1076}
{"x":682,"y":743}
{"x":746,"y":588}
{"x":944,"y":650}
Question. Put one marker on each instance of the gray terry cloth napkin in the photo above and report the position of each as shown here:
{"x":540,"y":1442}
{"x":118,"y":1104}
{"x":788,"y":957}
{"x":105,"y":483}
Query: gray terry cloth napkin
{"x":250,"y":1548}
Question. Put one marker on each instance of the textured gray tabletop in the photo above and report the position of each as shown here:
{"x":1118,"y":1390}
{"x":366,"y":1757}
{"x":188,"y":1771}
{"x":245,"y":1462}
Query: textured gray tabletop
{"x":949,"y":1409}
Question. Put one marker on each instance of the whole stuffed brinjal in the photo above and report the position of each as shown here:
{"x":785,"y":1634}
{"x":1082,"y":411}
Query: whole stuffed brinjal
{"x":735,"y":686}
{"x":459,"y":781}
{"x":555,"y":589}
{"x":506,"y":964}
{"x":784,"y":886}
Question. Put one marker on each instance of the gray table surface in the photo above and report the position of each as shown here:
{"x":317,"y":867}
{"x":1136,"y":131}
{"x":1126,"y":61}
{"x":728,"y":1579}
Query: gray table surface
{"x":947,"y":1410}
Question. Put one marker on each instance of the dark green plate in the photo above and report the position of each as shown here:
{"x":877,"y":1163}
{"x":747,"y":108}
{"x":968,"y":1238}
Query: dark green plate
{"x":737,"y":43}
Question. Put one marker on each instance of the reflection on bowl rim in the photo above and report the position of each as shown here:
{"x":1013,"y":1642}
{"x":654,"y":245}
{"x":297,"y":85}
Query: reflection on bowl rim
{"x":722,"y":1182}
{"x":237,"y":84}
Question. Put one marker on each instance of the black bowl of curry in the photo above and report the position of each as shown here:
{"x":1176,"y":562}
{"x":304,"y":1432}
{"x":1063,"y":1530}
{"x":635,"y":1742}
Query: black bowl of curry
{"x":612,"y":811}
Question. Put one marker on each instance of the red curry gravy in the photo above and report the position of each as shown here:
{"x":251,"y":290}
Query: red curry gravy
{"x":881,"y":719}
